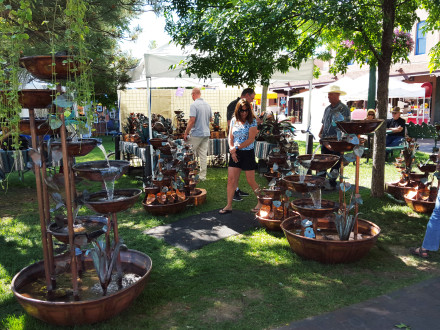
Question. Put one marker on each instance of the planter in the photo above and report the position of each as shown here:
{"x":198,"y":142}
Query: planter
{"x":91,"y":227}
{"x":166,"y":208}
{"x":198,"y":198}
{"x":43,"y":66}
{"x":87,"y":311}
{"x":93,"y":170}
{"x":330,"y":251}
{"x":320,"y":162}
{"x":310,"y":183}
{"x":122,"y":200}
{"x":360,"y":126}
{"x":305,"y":207}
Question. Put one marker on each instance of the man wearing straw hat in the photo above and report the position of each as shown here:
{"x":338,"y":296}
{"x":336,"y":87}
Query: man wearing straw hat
{"x":336,"y":111}
{"x":397,"y":127}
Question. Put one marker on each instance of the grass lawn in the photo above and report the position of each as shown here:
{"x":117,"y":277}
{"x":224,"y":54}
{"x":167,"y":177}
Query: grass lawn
{"x":249,"y":281}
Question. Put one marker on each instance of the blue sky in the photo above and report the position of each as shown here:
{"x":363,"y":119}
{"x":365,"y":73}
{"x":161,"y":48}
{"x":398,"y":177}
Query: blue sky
{"x":153,"y":29}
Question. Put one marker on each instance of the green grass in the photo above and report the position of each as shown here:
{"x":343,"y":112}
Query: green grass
{"x":249,"y":281}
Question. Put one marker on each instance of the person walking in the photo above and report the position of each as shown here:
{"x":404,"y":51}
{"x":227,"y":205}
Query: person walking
{"x":335,"y":111}
{"x":249,"y":95}
{"x":241,"y":140}
{"x":200,"y":115}
{"x":431,"y":240}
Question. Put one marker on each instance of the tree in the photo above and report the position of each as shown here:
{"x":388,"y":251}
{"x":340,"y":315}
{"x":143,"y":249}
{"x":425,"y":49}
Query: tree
{"x":243,"y":40}
{"x":107,"y":21}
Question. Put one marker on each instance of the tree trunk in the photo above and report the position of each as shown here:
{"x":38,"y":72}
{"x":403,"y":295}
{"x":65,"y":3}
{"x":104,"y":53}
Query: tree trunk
{"x":384,"y":63}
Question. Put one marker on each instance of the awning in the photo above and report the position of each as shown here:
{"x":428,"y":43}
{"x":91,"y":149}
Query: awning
{"x":269,"y":96}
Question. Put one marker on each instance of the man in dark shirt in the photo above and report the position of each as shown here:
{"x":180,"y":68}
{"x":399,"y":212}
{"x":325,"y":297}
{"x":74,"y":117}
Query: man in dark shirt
{"x":397,"y":127}
{"x":249,"y":95}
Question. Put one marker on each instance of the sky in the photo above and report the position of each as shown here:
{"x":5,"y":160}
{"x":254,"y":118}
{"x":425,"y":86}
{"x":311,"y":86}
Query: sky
{"x":153,"y":29}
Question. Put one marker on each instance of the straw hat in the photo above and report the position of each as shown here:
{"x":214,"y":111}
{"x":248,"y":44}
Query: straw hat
{"x":336,"y":89}
{"x":371,"y":112}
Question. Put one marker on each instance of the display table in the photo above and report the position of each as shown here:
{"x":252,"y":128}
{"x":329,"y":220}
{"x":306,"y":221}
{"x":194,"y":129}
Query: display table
{"x":14,"y":160}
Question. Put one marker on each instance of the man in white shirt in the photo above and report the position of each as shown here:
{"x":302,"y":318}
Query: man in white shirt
{"x":200,"y":115}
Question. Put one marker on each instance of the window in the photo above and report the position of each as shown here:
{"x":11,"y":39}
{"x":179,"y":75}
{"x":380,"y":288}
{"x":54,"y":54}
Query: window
{"x":420,"y":39}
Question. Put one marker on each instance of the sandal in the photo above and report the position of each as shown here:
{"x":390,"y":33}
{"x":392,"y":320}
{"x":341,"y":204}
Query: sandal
{"x":419,"y":252}
{"x":223,"y":211}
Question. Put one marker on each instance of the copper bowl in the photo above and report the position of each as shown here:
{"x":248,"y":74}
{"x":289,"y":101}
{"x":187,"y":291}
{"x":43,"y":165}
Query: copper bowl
{"x":151,"y":190}
{"x":270,"y":176}
{"x":427,"y":168}
{"x":417,"y":176}
{"x":271,"y":224}
{"x":304,"y":206}
{"x":123,"y":199}
{"x":274,"y":192}
{"x":156,"y":143}
{"x":45,"y":67}
{"x":360,"y":126}
{"x":96,"y":222}
{"x":93,"y":170}
{"x":36,"y":98}
{"x":164,"y":209}
{"x":418,"y":205}
{"x":279,"y":159}
{"x":311,"y":182}
{"x":42,"y":127}
{"x":77,"y":149}
{"x":336,"y":145}
{"x":320,"y":162}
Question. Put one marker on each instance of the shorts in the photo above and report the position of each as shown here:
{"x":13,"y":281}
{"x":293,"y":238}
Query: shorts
{"x":246,"y":160}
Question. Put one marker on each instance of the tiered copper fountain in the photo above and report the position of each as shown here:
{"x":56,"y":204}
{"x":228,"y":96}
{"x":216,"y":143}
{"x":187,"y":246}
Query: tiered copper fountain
{"x":173,"y":185}
{"x":421,"y":199}
{"x":314,"y":235}
{"x":76,"y":303}
{"x":409,"y":179}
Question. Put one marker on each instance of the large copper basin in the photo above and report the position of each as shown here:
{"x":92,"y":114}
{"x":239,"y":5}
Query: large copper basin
{"x":330,"y":251}
{"x":42,"y":127}
{"x":83,"y":312}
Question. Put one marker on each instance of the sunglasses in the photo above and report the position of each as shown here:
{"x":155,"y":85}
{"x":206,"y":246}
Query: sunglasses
{"x":243,"y":110}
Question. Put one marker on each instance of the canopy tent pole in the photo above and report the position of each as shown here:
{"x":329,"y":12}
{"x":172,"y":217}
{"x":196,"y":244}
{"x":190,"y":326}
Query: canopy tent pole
{"x":309,"y":140}
{"x":150,"y":129}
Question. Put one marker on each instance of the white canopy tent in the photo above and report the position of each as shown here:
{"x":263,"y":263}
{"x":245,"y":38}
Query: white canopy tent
{"x":356,"y":89}
{"x":166,"y":62}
